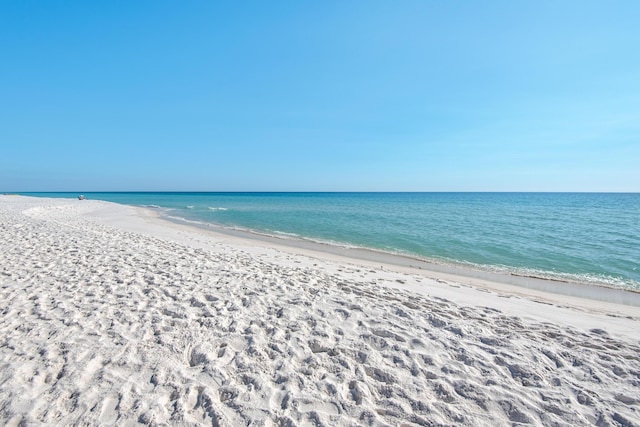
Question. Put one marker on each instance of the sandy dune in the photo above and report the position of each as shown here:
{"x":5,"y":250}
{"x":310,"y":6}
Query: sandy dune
{"x":110,"y":317}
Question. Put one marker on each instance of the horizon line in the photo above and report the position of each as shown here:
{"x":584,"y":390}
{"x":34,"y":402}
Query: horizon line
{"x":322,"y":191}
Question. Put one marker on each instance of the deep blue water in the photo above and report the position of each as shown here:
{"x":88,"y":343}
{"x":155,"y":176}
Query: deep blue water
{"x":582,"y":237}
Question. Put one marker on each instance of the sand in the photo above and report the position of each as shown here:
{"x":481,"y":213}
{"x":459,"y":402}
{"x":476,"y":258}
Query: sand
{"x":112,"y":316}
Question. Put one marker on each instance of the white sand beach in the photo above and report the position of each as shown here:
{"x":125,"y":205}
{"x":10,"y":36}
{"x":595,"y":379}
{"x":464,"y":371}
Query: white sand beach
{"x":113,"y":316}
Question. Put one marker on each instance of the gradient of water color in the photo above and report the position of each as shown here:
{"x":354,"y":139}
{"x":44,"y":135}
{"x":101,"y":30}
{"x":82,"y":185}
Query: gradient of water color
{"x":582,"y":237}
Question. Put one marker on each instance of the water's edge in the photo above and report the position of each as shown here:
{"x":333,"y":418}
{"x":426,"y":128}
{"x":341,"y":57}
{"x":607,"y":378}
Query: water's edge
{"x":563,"y":287}
{"x":521,"y":239}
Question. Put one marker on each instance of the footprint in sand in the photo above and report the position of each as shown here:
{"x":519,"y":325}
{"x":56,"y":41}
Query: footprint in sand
{"x":109,"y":413}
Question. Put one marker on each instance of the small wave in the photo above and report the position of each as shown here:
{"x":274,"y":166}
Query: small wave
{"x":152,"y":206}
{"x":285,"y":235}
{"x":189,"y":221}
{"x":216,"y":209}
{"x":293,"y":236}
{"x":190,"y":207}
{"x":602,"y":280}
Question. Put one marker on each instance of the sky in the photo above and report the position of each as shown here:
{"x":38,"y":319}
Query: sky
{"x":319,"y":96}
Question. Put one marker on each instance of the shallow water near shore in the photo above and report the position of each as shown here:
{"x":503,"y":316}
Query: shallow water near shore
{"x":591,"y":238}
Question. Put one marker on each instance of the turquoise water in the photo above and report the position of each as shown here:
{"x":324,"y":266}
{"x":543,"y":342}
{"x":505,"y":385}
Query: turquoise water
{"x":581,"y":237}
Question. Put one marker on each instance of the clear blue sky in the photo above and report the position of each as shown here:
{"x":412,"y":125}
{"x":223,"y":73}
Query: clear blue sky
{"x":338,"y":95}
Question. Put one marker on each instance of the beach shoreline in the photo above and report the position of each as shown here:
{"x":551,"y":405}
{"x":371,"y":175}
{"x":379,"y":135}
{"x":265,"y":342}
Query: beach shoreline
{"x":523,"y":235}
{"x":113,"y":315}
{"x":462,"y":273}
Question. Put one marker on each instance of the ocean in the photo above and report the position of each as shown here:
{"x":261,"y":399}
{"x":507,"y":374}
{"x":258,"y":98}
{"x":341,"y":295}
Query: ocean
{"x":591,"y":238}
